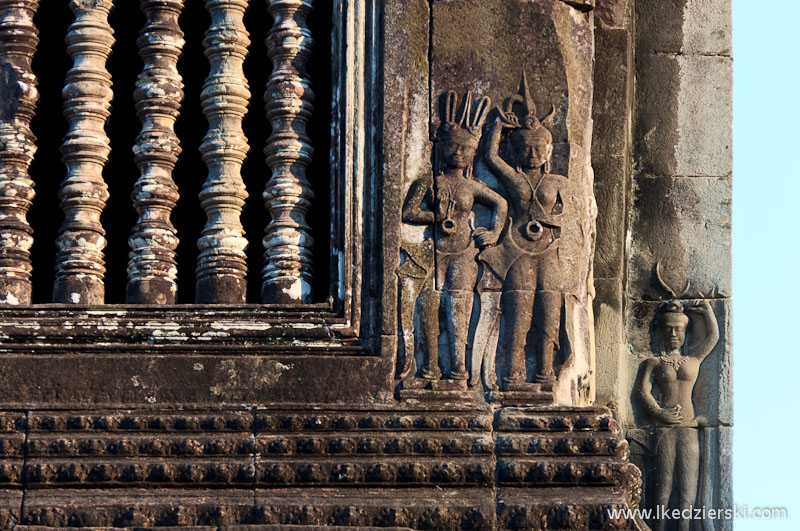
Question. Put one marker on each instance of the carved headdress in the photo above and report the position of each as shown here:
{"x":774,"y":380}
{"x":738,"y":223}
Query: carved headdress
{"x":529,"y":121}
{"x":465,"y":126}
{"x":671,"y":309}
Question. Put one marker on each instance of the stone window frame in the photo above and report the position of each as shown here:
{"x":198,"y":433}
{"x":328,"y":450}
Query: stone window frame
{"x":330,"y":327}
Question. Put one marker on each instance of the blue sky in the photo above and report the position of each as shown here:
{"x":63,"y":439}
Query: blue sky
{"x":766,"y":255}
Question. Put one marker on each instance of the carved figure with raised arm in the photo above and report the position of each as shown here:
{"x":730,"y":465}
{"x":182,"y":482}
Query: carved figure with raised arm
{"x":446,"y":202}
{"x":526,"y":261}
{"x":664,"y":388}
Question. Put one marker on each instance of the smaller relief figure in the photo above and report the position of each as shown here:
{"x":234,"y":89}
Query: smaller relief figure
{"x":526,"y":260}
{"x":445,"y":202}
{"x":664,"y":388}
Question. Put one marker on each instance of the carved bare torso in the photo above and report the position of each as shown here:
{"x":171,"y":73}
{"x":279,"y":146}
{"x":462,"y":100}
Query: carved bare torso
{"x":676,"y":384}
{"x":536,"y":208}
{"x":454,"y":199}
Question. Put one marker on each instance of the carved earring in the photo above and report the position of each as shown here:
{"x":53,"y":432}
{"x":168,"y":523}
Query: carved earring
{"x":547,"y":166}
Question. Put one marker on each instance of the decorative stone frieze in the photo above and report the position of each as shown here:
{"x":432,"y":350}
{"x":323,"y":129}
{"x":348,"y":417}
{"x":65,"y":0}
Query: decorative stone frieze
{"x":382,"y":457}
{"x":152,"y":270}
{"x":497,"y":244}
{"x":80,"y":265}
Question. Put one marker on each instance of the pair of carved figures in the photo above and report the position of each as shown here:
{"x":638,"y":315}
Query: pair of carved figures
{"x":517,"y":251}
{"x":663,"y":388}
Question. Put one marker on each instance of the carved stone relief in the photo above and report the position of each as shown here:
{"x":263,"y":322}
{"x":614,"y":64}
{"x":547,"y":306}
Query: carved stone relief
{"x":499,"y":241}
{"x":674,"y":433}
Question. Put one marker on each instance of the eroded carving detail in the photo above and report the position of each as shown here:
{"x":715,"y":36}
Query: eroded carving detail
{"x":526,"y":261}
{"x":18,"y":41}
{"x":152,"y":270}
{"x":446,"y":284}
{"x":513,"y":264}
{"x":286,"y":275}
{"x":80,"y":266}
{"x":222,"y":263}
{"x":664,"y":388}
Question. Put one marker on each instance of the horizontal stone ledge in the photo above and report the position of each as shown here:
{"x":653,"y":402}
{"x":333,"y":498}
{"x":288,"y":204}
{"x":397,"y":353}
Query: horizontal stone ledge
{"x":182,"y":380}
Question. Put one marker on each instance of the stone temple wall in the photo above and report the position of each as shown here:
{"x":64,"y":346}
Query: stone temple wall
{"x":525,"y":223}
{"x":663,"y":167}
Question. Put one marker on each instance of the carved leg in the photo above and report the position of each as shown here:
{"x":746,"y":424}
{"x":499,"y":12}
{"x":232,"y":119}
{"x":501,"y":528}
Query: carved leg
{"x":548,"y":321}
{"x":460,"y":310}
{"x":430,"y":332}
{"x":517,"y":310}
{"x":409,"y":289}
{"x":665,"y":469}
{"x":687,"y":470}
{"x":482,"y":351}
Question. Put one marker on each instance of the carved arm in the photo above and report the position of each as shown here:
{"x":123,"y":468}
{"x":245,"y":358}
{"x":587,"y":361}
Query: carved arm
{"x":643,"y":390}
{"x":506,"y":174}
{"x":704,"y":348}
{"x":412,"y":208}
{"x":487,"y":196}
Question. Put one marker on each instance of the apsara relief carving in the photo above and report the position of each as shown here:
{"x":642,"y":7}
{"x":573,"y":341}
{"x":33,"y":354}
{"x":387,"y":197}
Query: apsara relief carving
{"x":496,"y":235}
{"x":663,"y":389}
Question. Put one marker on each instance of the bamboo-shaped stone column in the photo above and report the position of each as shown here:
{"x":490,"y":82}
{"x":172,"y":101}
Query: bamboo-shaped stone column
{"x":87,"y":99}
{"x":18,"y":94}
{"x":287,"y":272}
{"x":152,"y":269}
{"x":222,"y":264}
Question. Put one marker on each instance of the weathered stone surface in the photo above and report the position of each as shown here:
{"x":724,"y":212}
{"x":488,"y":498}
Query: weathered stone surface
{"x":222,"y":263}
{"x":724,"y":455}
{"x":289,"y":98}
{"x":18,"y":94}
{"x":712,"y":394}
{"x":613,"y":92}
{"x":683,"y":115}
{"x":135,"y":379}
{"x":330,"y":445}
{"x":610,"y":346}
{"x":407,"y":147}
{"x":136,"y":508}
{"x":487,"y":56}
{"x":552,"y":44}
{"x":80,"y":265}
{"x":611,"y":194}
{"x":704,"y":113}
{"x":152,"y":266}
{"x":713,"y":488}
{"x":684,"y":224}
{"x":612,"y":13}
{"x":10,"y":508}
{"x":685,"y":26}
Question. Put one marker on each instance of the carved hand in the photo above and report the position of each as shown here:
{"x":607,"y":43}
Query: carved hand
{"x":509,"y":119}
{"x":669,"y":415}
{"x":484,"y":237}
{"x":700,"y":306}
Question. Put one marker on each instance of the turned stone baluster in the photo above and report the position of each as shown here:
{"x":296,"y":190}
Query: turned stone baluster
{"x":287,"y":272}
{"x":222,"y":264}
{"x":152,"y":269}
{"x":87,"y":98}
{"x":18,"y":94}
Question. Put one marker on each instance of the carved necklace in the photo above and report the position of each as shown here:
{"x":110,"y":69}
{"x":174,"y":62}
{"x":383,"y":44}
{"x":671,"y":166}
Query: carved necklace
{"x":672,"y":362}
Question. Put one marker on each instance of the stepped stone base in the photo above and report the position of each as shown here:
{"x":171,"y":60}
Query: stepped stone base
{"x":403,"y":467}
